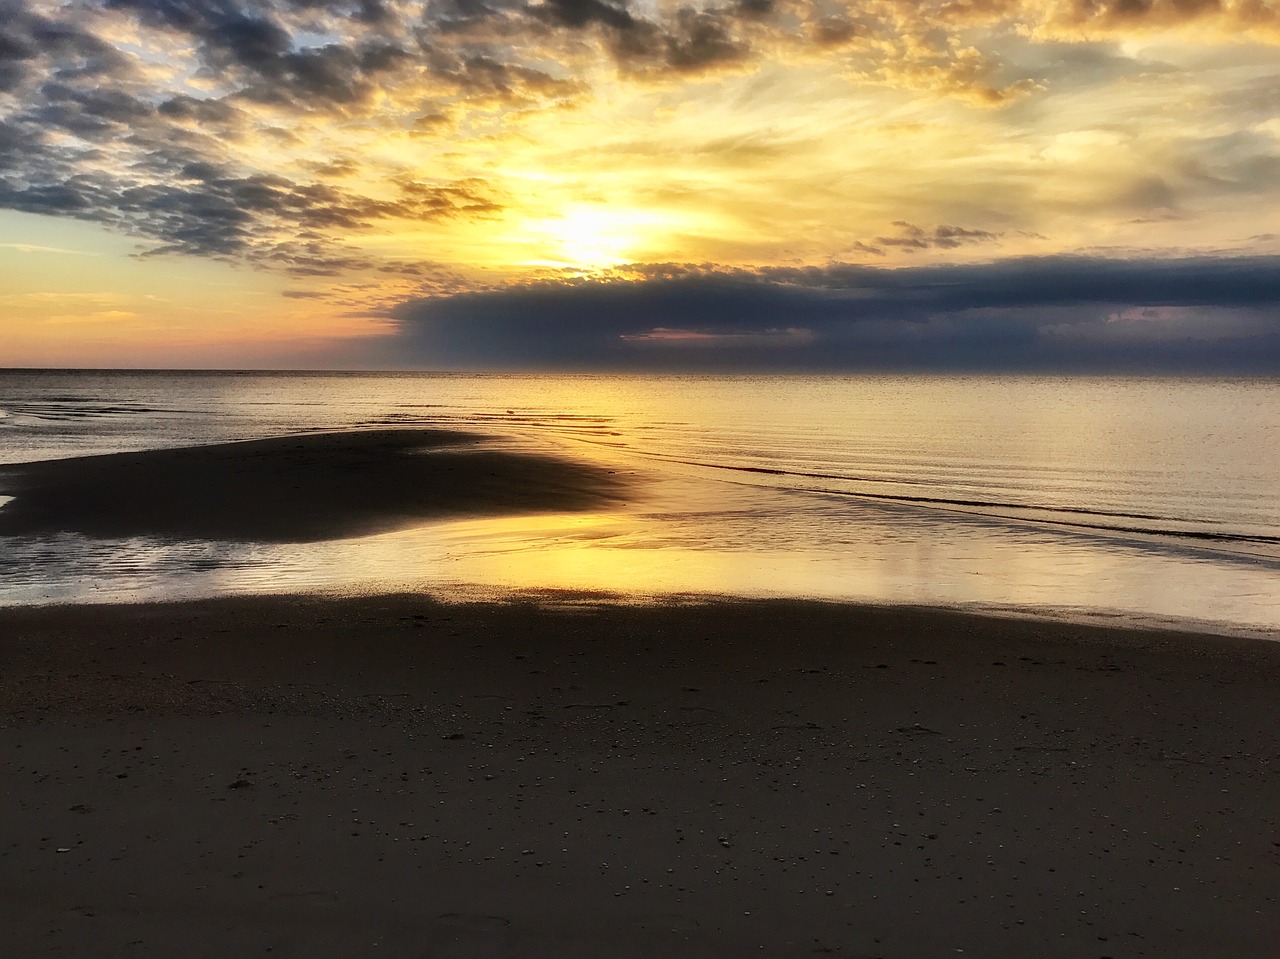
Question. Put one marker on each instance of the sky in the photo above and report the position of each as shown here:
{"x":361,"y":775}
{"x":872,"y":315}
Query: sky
{"x":1074,"y":185}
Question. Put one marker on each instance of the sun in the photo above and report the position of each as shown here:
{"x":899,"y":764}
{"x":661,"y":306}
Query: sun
{"x":591,"y":237}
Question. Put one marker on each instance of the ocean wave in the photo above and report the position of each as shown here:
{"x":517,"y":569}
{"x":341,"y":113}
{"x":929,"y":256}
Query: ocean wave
{"x":1109,"y":521}
{"x":58,"y":410}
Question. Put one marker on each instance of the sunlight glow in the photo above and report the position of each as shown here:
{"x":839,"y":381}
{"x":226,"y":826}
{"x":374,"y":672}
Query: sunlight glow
{"x":591,"y":237}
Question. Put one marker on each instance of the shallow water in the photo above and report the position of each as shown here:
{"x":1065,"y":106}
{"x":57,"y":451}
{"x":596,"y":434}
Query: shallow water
{"x":1146,"y":500}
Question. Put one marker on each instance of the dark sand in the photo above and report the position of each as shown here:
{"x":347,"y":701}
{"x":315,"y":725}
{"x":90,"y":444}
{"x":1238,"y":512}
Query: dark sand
{"x":398,"y":778}
{"x":294,"y":489}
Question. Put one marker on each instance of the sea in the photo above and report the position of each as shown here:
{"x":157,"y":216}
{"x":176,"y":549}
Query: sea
{"x":1138,"y":501}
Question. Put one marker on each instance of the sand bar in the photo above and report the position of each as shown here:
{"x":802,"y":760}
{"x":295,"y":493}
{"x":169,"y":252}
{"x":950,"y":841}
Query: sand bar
{"x":402,"y":777}
{"x":296,"y":488}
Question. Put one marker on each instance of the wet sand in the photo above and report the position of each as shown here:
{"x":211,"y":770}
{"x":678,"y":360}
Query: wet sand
{"x":296,"y":488}
{"x":406,"y":778}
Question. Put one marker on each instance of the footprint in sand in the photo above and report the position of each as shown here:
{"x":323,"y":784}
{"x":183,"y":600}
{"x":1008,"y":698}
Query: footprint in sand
{"x":473,"y":923}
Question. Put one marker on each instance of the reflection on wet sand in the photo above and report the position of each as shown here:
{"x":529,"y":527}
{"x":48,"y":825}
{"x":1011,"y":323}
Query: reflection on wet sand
{"x":677,"y":540}
{"x":385,"y":510}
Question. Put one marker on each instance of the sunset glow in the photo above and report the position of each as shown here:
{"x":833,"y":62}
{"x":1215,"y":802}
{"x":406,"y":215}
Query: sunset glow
{"x":330,"y":169}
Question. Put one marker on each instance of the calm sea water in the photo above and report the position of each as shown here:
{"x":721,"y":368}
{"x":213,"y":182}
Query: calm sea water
{"x":1144,"y":500}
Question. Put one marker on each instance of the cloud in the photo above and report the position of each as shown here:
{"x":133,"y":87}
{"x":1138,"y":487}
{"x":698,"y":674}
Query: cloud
{"x":1259,"y":18}
{"x":719,"y":340}
{"x":197,"y":207}
{"x":38,"y":248}
{"x":97,"y":131}
{"x":206,"y":127}
{"x":1046,"y":313}
{"x":692,"y":41}
{"x":580,"y":13}
{"x":911,"y":238}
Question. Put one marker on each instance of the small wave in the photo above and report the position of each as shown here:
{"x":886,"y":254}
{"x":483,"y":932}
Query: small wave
{"x":1035,"y":512}
{"x":64,"y":410}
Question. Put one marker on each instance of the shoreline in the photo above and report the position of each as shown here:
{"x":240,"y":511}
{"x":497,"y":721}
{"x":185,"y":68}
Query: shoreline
{"x":774,"y":777}
{"x":491,"y":594}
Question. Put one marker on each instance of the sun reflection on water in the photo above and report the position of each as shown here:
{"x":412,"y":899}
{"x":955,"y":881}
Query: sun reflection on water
{"x":898,"y":556}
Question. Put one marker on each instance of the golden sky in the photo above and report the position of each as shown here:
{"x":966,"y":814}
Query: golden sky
{"x":280,"y":183}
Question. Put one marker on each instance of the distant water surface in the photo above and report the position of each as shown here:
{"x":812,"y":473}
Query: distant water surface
{"x":1144,"y":500}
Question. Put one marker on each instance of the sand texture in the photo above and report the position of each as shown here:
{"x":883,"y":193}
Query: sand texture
{"x":396,"y":777}
{"x":294,"y":489}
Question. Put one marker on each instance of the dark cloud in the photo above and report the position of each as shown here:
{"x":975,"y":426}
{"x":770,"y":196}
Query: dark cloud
{"x":700,"y":40}
{"x":911,"y":238}
{"x":37,"y":49}
{"x":253,"y":42}
{"x":1094,"y":17}
{"x":203,"y":207}
{"x":1056,"y":313}
{"x":692,"y":41}
{"x":754,"y":8}
{"x":833,"y":30}
{"x":259,"y":48}
{"x":483,"y":78}
{"x":1158,"y":14}
{"x":579,"y":13}
{"x":90,"y":133}
{"x":1055,"y":281}
{"x":336,"y":167}
{"x":205,"y":113}
{"x":87,"y":113}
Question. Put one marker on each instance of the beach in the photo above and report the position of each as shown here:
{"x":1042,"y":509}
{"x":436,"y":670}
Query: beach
{"x":578,"y":774}
{"x":571,"y":776}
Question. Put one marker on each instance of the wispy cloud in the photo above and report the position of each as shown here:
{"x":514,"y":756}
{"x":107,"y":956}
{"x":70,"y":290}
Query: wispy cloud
{"x":37,"y":248}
